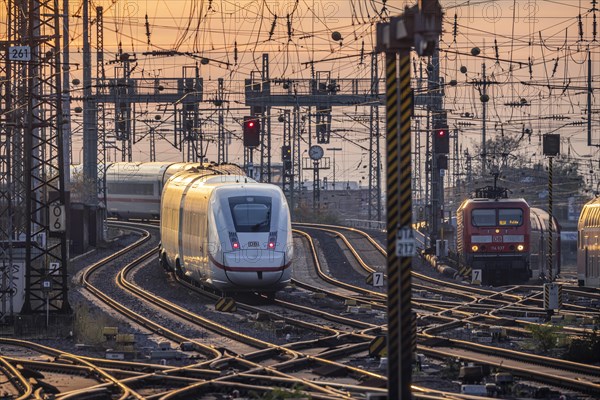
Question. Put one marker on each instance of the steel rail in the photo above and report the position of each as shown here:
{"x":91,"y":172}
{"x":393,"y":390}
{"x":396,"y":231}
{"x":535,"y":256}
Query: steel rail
{"x":157,"y":328}
{"x":121,"y":278}
{"x":553,"y":379}
{"x":331,"y":280}
{"x":17,"y":379}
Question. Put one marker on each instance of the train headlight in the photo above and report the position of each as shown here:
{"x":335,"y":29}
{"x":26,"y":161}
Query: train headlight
{"x":520,"y":247}
{"x":475,"y":247}
{"x":235,"y":243}
{"x":272,"y":240}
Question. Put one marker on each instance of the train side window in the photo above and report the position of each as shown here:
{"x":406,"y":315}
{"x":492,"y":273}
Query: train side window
{"x":129,"y":188}
{"x":510,"y":217}
{"x":483,"y":217}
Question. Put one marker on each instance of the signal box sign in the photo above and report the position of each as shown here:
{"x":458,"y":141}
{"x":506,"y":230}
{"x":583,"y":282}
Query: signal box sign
{"x":405,"y":242}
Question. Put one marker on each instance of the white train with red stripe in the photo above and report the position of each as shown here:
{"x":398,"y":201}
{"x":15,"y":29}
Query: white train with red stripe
{"x":226,"y":231}
{"x":133,"y":189}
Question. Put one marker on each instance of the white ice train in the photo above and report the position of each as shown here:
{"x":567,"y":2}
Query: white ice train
{"x":218,"y":226}
{"x":226,"y":231}
{"x":133,"y":189}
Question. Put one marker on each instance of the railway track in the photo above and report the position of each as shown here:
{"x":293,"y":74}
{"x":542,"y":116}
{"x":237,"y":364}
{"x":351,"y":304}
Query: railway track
{"x":584,"y":378}
{"x":258,"y":365}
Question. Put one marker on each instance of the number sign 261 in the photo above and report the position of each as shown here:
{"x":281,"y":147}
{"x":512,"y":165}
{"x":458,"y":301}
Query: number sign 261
{"x":19,"y":53}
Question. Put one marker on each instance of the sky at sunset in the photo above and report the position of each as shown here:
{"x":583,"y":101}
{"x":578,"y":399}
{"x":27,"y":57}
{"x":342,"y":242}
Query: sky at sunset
{"x":535,"y":53}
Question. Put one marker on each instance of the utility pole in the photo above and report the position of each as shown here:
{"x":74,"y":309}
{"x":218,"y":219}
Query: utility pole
{"x":589,"y":99}
{"x":420,"y":26}
{"x":335,"y":150}
{"x":484,"y":100}
{"x":374,"y":145}
{"x":66,"y":106}
{"x":287,"y":172}
{"x":439,"y":121}
{"x":222,"y":156}
{"x":551,"y":148}
{"x":90,"y":131}
{"x":32,"y":218}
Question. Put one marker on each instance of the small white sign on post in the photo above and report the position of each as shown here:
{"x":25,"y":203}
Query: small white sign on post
{"x":57,"y":218}
{"x":53,"y":268}
{"x":19,"y":53}
{"x":476,"y":275}
{"x":377,"y":279}
{"x":405,"y":242}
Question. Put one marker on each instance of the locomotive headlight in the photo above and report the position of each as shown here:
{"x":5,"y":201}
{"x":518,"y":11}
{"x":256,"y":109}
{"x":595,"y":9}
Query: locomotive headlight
{"x":272,"y":240}
{"x":474,"y":247}
{"x":520,"y":247}
{"x":235,"y":243}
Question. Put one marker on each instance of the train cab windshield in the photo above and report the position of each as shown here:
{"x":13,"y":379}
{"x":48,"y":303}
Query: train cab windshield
{"x":251,"y":213}
{"x":497,"y":217}
{"x":510,"y":217}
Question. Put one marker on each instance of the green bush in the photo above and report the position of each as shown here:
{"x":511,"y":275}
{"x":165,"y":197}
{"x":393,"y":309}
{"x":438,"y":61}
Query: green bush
{"x":279,"y":393}
{"x":585,"y":349}
{"x":544,"y":336}
{"x":305,"y":214}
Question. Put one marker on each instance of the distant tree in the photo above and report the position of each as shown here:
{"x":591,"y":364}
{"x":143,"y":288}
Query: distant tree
{"x":501,"y":153}
{"x":507,"y":156}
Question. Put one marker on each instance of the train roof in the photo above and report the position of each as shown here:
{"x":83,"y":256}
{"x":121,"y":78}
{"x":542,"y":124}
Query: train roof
{"x":595,"y":202}
{"x":483,"y":201}
{"x":158,"y":168}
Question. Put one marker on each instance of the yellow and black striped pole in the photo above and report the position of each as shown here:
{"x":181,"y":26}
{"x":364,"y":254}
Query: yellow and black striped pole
{"x":399,"y":218}
{"x":406,"y":340}
{"x":393,"y":267}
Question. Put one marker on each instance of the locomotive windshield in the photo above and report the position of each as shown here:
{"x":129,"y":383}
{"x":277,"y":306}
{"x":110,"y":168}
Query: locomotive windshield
{"x":504,"y":217}
{"x":251,"y":213}
{"x":483,"y":217}
{"x":510,"y":217}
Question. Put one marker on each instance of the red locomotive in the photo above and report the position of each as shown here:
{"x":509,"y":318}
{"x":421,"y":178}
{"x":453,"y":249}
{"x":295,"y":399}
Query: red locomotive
{"x":493,"y":237}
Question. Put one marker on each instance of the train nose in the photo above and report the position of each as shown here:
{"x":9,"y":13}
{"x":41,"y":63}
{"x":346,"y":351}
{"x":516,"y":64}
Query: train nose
{"x":255,"y":267}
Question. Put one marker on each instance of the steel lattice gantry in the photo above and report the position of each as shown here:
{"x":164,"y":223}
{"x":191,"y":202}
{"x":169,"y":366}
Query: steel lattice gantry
{"x":323,"y":93}
{"x":183,"y":94}
{"x":31,"y":163}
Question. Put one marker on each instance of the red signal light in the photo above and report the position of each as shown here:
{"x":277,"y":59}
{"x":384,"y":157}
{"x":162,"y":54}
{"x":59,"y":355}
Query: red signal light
{"x":251,"y":132}
{"x":441,"y":141}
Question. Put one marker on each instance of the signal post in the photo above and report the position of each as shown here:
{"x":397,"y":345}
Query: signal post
{"x":251,"y":133}
{"x":419,"y":26}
